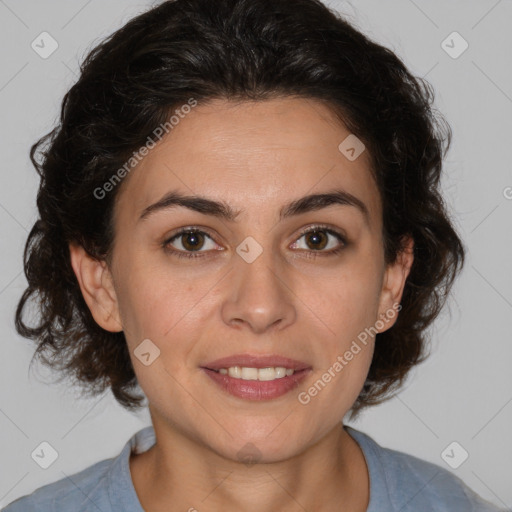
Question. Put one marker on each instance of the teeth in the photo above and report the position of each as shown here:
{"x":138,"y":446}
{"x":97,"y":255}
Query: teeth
{"x":244,"y":373}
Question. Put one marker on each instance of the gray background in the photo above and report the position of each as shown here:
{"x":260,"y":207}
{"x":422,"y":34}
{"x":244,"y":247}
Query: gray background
{"x":462,"y":393}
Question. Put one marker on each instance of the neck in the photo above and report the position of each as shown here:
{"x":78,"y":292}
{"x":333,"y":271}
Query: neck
{"x":177,"y":473}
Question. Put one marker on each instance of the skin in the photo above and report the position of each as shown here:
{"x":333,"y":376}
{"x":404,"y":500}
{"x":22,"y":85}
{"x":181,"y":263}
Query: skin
{"x":257,"y":157}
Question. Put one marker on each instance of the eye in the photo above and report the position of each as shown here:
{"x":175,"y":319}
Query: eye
{"x":317,"y":239}
{"x":189,"y":241}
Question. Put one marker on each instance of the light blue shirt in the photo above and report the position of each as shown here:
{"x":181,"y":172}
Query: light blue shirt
{"x":398,"y":483}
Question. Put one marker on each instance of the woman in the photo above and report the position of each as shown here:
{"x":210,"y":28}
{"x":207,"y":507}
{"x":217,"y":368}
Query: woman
{"x":240,"y":213}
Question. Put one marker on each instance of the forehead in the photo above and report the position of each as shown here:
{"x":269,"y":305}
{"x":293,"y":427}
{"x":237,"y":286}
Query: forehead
{"x":251,"y":155}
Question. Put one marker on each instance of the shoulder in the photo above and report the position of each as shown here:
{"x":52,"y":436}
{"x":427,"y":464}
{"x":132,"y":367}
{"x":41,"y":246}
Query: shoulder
{"x":413,"y":484}
{"x":72,"y":492}
{"x":94,"y":488}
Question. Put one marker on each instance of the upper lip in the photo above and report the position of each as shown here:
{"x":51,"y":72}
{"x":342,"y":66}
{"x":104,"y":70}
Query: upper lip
{"x":251,"y":361}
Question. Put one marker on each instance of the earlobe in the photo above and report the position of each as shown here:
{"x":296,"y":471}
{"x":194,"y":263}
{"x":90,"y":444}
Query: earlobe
{"x":97,"y":288}
{"x":393,"y":284}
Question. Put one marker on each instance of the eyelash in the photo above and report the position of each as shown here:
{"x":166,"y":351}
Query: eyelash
{"x":309,"y":254}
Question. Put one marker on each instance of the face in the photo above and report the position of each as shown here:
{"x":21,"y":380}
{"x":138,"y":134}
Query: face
{"x":279,"y":276}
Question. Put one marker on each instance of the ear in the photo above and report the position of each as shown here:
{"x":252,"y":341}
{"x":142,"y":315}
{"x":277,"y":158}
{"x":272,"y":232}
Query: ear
{"x":97,"y":288}
{"x":393,"y":285}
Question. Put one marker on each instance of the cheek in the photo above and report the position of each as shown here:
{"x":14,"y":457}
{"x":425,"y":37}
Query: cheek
{"x":346,"y":303}
{"x":158,"y":304}
{"x":347,"y":310}
{"x":346,"y":352}
{"x":337,"y":384}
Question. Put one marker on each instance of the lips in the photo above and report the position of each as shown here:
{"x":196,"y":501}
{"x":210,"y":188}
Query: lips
{"x":256,"y":390}
{"x":251,"y":361}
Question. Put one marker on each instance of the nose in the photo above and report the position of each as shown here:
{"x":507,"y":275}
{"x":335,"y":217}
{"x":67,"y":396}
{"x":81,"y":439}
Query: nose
{"x":259,"y":295}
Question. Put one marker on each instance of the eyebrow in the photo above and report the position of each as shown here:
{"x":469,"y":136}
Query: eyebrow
{"x":224,"y":211}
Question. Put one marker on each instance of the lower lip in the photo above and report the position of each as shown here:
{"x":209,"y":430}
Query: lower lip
{"x":257,"y":389}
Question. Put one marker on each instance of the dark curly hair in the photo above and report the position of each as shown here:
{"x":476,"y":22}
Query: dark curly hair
{"x":241,"y":50}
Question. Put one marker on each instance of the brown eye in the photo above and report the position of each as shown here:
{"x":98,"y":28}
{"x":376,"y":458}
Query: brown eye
{"x":189,"y":241}
{"x":316,"y":239}
{"x":192,"y":241}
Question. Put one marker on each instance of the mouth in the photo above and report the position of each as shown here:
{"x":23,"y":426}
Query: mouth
{"x":257,"y":377}
{"x":251,"y":367}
